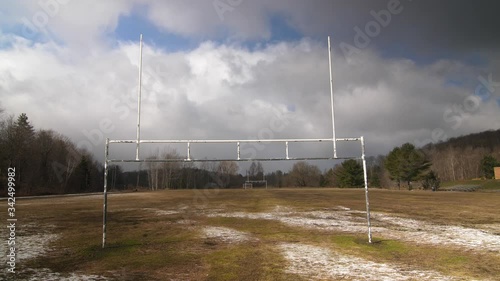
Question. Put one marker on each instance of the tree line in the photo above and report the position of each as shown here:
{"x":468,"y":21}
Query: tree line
{"x":464,"y":157}
{"x":47,"y":162}
{"x":472,"y":156}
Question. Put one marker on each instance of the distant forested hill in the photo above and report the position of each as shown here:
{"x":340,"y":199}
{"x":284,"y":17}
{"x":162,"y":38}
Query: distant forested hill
{"x":460,"y":158}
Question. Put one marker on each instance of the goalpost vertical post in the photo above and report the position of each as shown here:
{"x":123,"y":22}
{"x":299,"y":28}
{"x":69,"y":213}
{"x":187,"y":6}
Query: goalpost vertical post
{"x":363,"y":157}
{"x":138,"y":141}
{"x":334,"y":140}
{"x":139,"y":93}
{"x":105,"y":203}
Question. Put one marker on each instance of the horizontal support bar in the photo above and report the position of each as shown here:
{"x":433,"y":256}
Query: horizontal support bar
{"x":237,"y":160}
{"x":233,"y":141}
{"x":349,"y":139}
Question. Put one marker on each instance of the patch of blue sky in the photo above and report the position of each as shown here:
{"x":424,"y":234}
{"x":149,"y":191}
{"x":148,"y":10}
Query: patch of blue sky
{"x":131,"y":26}
{"x":281,"y":31}
{"x":32,"y":35}
{"x":426,"y":57}
{"x":454,"y":83}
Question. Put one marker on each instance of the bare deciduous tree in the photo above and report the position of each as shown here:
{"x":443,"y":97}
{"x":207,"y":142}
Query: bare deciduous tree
{"x":225,"y":170}
{"x":304,"y":174}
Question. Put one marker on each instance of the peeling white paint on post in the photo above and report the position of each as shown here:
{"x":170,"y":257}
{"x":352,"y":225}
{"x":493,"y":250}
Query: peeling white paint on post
{"x":238,"y":151}
{"x":286,"y":150}
{"x":366,"y":190}
{"x":105,"y":203}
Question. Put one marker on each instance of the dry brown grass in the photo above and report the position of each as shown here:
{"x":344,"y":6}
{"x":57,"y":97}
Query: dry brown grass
{"x":145,"y":246}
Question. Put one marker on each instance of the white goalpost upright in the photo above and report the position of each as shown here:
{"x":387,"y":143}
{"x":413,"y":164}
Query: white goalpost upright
{"x":236,"y":146}
{"x":249,"y":183}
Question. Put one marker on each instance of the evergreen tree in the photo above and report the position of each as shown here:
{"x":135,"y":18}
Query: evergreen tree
{"x":431,"y":181}
{"x":407,"y":164}
{"x":20,"y":142}
{"x":350,"y":174}
{"x":488,"y":163}
{"x":393,"y":165}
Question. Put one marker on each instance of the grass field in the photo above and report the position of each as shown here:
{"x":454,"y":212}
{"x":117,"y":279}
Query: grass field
{"x":485,"y":185}
{"x":275,"y":234}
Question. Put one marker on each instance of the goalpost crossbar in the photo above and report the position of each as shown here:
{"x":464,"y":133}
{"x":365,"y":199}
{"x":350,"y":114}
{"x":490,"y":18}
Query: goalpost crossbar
{"x":237,"y":143}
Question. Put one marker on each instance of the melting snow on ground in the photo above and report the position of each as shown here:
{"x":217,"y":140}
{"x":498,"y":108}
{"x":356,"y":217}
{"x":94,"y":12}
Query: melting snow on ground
{"x":423,"y":232}
{"x":318,"y":263}
{"x":384,"y":225}
{"x":160,"y":212}
{"x":29,"y":246}
{"x":45,"y":274}
{"x":226,"y":234}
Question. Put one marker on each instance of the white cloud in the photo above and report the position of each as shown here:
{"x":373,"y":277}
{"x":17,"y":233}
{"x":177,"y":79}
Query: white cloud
{"x":78,"y":78}
{"x":82,"y":25}
{"x":206,"y":19}
{"x":227,"y":91}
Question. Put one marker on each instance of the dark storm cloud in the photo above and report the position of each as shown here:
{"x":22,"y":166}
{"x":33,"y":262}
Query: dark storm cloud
{"x":446,"y":28}
{"x":400,"y":88}
{"x":424,"y":28}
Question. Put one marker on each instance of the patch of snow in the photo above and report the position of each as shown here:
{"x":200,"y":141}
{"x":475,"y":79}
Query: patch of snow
{"x":315,"y":262}
{"x":27,"y":246}
{"x":33,"y":246}
{"x":187,"y":222}
{"x":160,"y":212}
{"x":281,"y":209}
{"x":47,"y":275}
{"x":332,"y":221}
{"x":424,"y":232}
{"x":30,"y":246}
{"x":226,"y":234}
{"x":384,"y":225}
{"x":165,"y":212}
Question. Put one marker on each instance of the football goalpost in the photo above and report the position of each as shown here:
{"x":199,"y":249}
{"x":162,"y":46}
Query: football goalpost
{"x":233,"y":145}
{"x":249,"y":183}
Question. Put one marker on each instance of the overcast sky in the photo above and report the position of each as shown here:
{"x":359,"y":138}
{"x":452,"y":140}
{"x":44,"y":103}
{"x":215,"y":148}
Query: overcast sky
{"x":404,"y":71}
